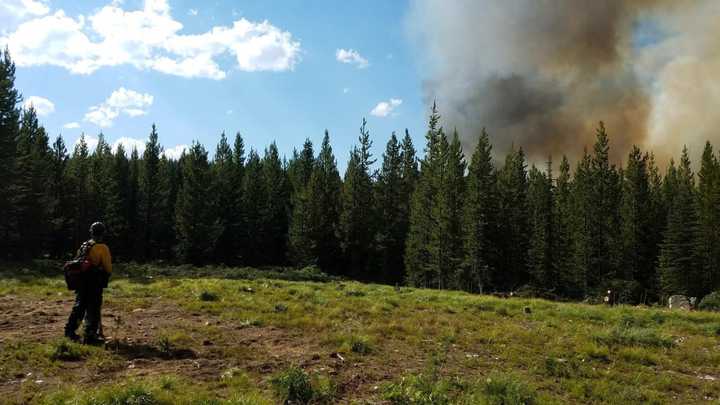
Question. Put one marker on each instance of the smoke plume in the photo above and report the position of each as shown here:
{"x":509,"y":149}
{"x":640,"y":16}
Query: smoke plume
{"x":541,"y":73}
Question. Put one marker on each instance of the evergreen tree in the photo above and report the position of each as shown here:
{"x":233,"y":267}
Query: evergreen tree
{"x":419,"y":263}
{"x":9,"y":128}
{"x":62,"y":201}
{"x":132,"y":209}
{"x":223,"y":171}
{"x":119,"y":221}
{"x":324,"y":198}
{"x":196,"y":225}
{"x":708,"y":240}
{"x":678,"y":261}
{"x":357,"y":221}
{"x":513,"y":229}
{"x":79,"y":171}
{"x":300,"y":244}
{"x":480,"y":220}
{"x":582,"y":224}
{"x":568,"y":282}
{"x":255,"y":198}
{"x":276,"y":207}
{"x":152,"y":196}
{"x":31,"y":197}
{"x":541,"y":260}
{"x":390,"y":238}
{"x":636,"y":226}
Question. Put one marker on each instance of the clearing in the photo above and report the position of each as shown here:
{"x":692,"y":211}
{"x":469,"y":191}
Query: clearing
{"x":178,"y":335}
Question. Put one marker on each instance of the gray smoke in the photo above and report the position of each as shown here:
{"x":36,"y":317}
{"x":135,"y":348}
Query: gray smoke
{"x":542,"y":73}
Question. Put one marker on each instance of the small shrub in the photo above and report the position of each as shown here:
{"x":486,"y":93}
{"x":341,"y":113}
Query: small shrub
{"x":506,"y":389}
{"x":710,"y":302}
{"x":360,"y":345}
{"x":293,"y":386}
{"x":281,"y":308}
{"x":423,"y":389}
{"x":165,"y":345}
{"x":354,"y":293}
{"x":208,"y":296}
{"x":562,"y":368}
{"x":133,"y":395}
{"x":633,"y":336}
{"x":65,"y":350}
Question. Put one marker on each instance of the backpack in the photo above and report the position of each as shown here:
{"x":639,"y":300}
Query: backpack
{"x":75,"y":269}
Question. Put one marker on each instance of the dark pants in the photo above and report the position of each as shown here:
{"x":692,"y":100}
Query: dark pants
{"x":88,"y":302}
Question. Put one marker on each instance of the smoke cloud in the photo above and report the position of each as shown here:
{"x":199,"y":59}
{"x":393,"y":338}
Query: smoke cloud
{"x":541,"y":73}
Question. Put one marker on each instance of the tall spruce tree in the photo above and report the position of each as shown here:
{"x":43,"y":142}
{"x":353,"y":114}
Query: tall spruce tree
{"x":223,"y":170}
{"x":568,"y":281}
{"x":300,"y":244}
{"x":277,"y":207}
{"x":254,"y":205}
{"x":636,"y":211}
{"x":390,"y":201}
{"x":480,"y":220}
{"x":420,"y":267}
{"x":196,"y":225}
{"x":9,"y":128}
{"x":708,"y":240}
{"x":513,"y":229}
{"x":152,"y":196}
{"x":541,"y":260}
{"x":357,"y":219}
{"x":61,"y":210}
{"x":324,"y":197}
{"x":678,"y":264}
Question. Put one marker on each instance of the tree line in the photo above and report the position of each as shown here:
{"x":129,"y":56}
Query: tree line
{"x":438,"y":221}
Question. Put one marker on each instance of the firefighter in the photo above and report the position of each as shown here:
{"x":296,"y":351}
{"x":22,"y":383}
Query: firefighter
{"x":88,"y":295}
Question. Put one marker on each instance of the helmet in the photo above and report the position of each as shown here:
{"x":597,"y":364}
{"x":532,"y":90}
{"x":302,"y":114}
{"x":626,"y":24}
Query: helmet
{"x":97,"y":229}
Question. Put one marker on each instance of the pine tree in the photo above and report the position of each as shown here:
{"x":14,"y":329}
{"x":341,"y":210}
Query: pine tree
{"x":357,"y":221}
{"x":300,"y":169}
{"x":604,"y":216}
{"x":223,"y":170}
{"x":9,"y":128}
{"x":678,"y":261}
{"x":419,"y":264}
{"x":195,"y":222}
{"x":390,"y":237}
{"x":541,"y":260}
{"x":31,"y":197}
{"x":62,"y":201}
{"x":568,"y":282}
{"x":582,"y":224}
{"x":119,"y":221}
{"x":708,"y":240}
{"x":277,"y":207}
{"x":324,"y":198}
{"x":513,"y":229}
{"x":153,"y":196}
{"x":636,"y":226}
{"x":79,"y":171}
{"x":255,"y":198}
{"x":480,"y":220}
{"x":132,"y":213}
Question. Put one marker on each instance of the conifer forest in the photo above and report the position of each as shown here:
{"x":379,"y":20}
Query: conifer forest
{"x":432,"y":215}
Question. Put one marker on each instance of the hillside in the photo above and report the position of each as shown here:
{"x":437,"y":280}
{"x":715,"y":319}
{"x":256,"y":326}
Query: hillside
{"x":178,"y":338}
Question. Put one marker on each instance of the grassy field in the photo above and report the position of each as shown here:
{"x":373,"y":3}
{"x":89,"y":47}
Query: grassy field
{"x":210,"y":336}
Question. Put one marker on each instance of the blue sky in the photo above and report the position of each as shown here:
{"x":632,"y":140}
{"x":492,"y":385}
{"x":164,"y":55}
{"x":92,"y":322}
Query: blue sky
{"x":117,"y":67}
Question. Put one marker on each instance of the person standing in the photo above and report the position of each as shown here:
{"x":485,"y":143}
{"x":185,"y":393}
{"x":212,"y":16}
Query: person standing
{"x":88,"y":295}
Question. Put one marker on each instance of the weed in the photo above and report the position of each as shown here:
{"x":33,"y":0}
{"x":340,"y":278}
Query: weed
{"x":209,"y":296}
{"x":165,"y":345}
{"x":66,"y":350}
{"x":293,"y":386}
{"x":507,"y":389}
{"x":355,"y":293}
{"x":633,"y":336}
{"x":360,"y":345}
{"x":281,"y":308}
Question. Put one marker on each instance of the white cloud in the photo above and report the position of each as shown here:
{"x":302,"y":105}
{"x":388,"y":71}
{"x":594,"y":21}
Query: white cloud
{"x":128,"y":144}
{"x":193,"y":12}
{"x":384,"y":108}
{"x":346,"y":90}
{"x":149,"y":38}
{"x":42,"y":105}
{"x":352,"y":57}
{"x":121,"y":101}
{"x":71,"y":125}
{"x":24,"y":8}
{"x":175,"y":152}
{"x":229,"y":112}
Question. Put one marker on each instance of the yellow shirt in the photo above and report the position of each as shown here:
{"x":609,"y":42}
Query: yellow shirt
{"x":99,"y":255}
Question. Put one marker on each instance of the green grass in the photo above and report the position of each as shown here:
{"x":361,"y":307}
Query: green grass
{"x":265,"y":337}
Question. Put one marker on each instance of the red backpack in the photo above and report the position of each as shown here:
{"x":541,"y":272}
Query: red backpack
{"x":75,"y":269}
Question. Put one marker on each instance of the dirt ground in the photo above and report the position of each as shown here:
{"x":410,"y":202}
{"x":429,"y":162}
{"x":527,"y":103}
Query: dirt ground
{"x":134,"y":333}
